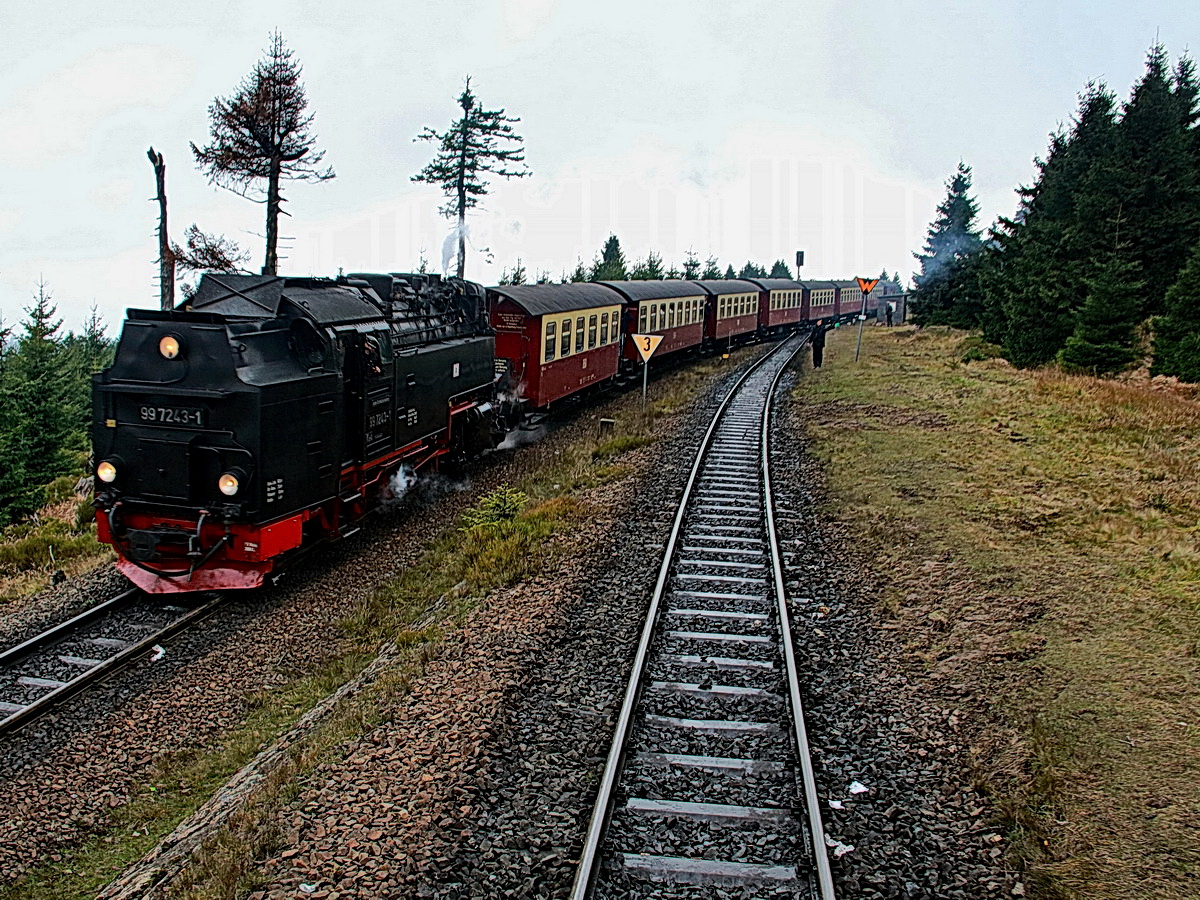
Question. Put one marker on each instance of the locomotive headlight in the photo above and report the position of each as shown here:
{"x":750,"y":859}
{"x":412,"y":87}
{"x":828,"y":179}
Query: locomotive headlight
{"x":106,"y":472}
{"x":228,"y":484}
{"x":169,"y":346}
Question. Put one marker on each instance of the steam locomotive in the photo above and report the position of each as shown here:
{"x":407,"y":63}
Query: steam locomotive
{"x":269,"y":414}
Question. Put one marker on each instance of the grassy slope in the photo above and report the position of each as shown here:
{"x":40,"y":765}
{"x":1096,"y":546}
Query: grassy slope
{"x":1047,"y":525}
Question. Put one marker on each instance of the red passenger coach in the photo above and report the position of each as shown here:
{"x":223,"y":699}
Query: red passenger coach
{"x":781,"y":303}
{"x":850,"y":299}
{"x":822,"y":301}
{"x":732,"y":309}
{"x":674,"y":309}
{"x":554,"y":340}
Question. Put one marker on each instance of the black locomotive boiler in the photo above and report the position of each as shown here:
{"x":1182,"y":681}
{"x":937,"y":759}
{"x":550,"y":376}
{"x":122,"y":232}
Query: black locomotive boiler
{"x":268,"y":414}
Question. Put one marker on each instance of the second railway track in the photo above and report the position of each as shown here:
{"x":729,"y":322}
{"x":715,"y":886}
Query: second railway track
{"x":708,"y":790}
{"x":46,"y":670}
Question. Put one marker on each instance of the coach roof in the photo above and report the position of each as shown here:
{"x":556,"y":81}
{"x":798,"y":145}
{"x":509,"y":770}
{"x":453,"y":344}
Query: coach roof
{"x":547,"y":299}
{"x":656,"y":290}
{"x":717,"y":287}
{"x":777,"y":284}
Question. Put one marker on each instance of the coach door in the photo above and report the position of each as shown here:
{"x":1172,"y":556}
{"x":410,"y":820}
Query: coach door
{"x":370,"y":404}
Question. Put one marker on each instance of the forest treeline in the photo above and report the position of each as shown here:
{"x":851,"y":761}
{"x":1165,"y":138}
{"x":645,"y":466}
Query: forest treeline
{"x":45,"y":402}
{"x":1099,"y":263}
{"x":610,"y":264}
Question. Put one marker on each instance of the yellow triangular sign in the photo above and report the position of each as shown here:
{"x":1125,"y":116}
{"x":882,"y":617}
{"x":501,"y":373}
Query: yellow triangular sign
{"x":646,"y":344}
{"x":866,"y":285}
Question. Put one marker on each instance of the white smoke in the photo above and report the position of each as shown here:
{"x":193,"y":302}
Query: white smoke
{"x":420,"y":488}
{"x":450,"y":244}
{"x":522,"y":437}
{"x":403,"y":481}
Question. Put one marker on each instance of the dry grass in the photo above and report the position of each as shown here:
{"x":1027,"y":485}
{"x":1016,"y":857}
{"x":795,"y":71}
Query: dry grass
{"x":1050,"y":524}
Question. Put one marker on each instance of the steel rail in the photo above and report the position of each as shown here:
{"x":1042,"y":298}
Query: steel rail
{"x":52,"y":636}
{"x":120,"y":660}
{"x":816,"y":826}
{"x":586,"y":873}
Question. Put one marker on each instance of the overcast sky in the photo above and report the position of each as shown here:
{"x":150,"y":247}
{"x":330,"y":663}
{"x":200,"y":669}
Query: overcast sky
{"x":741,"y":130}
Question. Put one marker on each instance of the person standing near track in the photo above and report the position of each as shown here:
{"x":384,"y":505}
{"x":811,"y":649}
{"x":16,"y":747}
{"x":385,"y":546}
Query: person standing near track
{"x":818,"y":344}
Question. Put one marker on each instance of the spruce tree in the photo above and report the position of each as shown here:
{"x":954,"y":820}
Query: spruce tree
{"x":1177,"y":332}
{"x":610,"y":265}
{"x":780,"y":270}
{"x":952,"y":238}
{"x":752,"y":270}
{"x":649,"y":269}
{"x":37,"y":421}
{"x":691,"y":266}
{"x":1032,"y":289}
{"x":712,"y":270}
{"x":729,"y":273}
{"x":468,"y":152}
{"x":1157,"y":168}
{"x":1106,"y":326}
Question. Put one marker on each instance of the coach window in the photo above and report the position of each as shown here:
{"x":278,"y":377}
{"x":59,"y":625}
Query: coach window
{"x":643,"y":319}
{"x":564,"y":346}
{"x":579,"y":335}
{"x":671,"y":315}
{"x":603,"y":329}
{"x":592,"y":332}
{"x":551,"y":333}
{"x":654,"y":317}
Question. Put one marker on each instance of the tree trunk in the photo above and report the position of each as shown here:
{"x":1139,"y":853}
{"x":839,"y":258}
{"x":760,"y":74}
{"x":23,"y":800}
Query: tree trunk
{"x":166,"y":259}
{"x":462,"y":198}
{"x":271,"y":265}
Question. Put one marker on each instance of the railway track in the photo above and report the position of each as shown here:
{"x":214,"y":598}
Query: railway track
{"x":42,"y":672}
{"x":708,"y":790}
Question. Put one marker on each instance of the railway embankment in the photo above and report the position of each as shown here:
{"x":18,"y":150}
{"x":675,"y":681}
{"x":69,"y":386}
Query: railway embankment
{"x":1028,"y":545}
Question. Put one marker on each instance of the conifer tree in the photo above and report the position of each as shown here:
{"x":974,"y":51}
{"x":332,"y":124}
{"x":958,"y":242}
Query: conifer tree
{"x":1157,"y":174}
{"x":516,"y":276}
{"x":649,"y":269}
{"x":469,"y":151}
{"x":952,"y":238}
{"x":1177,"y":332}
{"x":729,"y":273}
{"x":37,"y":425}
{"x":580,"y":273}
{"x":1033,"y":287}
{"x":691,"y":266}
{"x":1106,"y":326}
{"x":752,"y":270}
{"x":262,"y":136}
{"x":610,"y":265}
{"x":712,"y":270}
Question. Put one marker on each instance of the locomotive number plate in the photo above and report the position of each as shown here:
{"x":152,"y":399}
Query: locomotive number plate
{"x":173,"y":415}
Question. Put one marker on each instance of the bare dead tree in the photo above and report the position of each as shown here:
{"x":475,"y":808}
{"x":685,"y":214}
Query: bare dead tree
{"x":262,"y":135}
{"x":166,"y":261}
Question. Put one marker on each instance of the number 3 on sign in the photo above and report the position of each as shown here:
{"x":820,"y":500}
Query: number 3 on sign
{"x":646,"y":344}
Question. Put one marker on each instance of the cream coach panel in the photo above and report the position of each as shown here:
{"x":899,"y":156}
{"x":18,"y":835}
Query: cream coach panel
{"x":659,"y":315}
{"x":731,"y":305}
{"x":563,"y":328}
